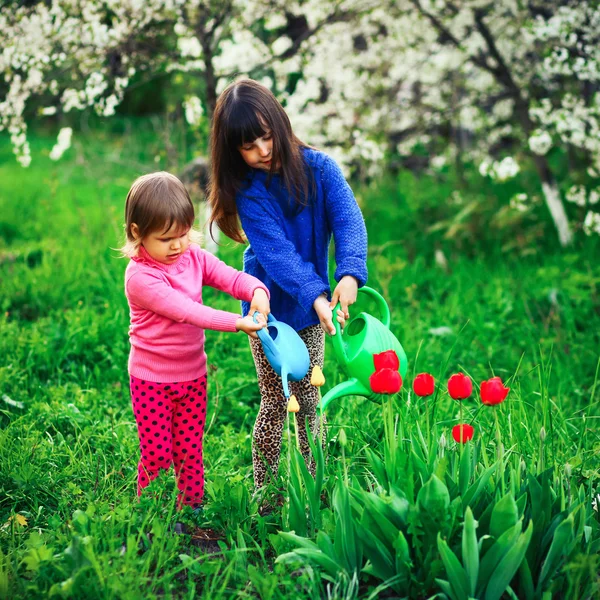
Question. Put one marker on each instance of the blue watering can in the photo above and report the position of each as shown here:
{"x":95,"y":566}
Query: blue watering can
{"x":285,"y":351}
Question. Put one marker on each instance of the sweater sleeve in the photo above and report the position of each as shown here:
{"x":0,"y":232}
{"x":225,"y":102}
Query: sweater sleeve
{"x":229,"y":280}
{"x":278,"y":256}
{"x":347,"y":224}
{"x":153,"y":293}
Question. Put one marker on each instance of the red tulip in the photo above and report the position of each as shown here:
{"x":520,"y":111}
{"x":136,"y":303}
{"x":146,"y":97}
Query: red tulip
{"x":386,"y":381}
{"x":386,"y":360}
{"x":424,"y":384}
{"x":493,"y":391}
{"x":462,"y":433}
{"x":460,"y":386}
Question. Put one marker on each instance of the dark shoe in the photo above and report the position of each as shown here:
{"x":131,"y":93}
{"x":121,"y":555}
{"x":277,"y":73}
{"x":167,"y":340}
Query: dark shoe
{"x":206,"y":539}
{"x":179,"y":528}
{"x":267,"y":508}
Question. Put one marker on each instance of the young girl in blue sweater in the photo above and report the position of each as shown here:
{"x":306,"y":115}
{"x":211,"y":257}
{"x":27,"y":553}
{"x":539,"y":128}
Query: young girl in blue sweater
{"x":290,"y":199}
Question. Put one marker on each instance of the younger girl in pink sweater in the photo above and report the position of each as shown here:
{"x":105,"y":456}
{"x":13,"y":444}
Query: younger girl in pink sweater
{"x":167,"y":363}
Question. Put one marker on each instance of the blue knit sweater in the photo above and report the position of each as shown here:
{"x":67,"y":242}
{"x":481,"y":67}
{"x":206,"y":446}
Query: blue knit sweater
{"x":289,"y":249}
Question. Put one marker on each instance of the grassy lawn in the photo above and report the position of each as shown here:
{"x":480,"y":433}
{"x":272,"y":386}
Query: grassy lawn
{"x":70,"y":522}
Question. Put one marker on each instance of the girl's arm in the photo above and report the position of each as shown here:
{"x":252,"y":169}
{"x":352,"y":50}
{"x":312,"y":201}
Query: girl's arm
{"x":278,"y":256}
{"x":150,"y":292}
{"x":229,"y":280}
{"x":347,"y":224}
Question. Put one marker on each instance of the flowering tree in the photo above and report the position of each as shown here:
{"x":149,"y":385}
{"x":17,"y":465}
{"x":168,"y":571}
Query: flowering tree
{"x":502,"y":82}
{"x":77,"y":54}
{"x":499,"y":76}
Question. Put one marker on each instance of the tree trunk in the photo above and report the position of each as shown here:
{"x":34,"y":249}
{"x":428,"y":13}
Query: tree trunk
{"x":210,"y":79}
{"x":557,"y":210}
{"x":549,"y":188}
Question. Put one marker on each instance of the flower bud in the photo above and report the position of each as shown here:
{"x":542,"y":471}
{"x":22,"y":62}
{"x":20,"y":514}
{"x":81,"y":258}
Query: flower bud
{"x":424,"y":385}
{"x":386,"y":381}
{"x":342,"y":439}
{"x":293,"y":405}
{"x":493,"y":391}
{"x":523,"y":466}
{"x":386,"y":360}
{"x":463,"y":433}
{"x":568,"y":470}
{"x":443,"y":441}
{"x":460,"y":386}
{"x":543,"y":434}
{"x":317,"y":378}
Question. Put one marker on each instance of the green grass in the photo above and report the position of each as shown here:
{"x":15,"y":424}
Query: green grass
{"x":68,"y":457}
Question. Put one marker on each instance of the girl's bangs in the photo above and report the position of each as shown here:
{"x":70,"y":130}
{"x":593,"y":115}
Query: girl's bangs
{"x":171,"y":207}
{"x":244,"y":125}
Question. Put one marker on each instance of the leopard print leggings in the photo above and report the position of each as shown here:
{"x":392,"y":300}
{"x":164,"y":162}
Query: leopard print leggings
{"x":268,"y":429}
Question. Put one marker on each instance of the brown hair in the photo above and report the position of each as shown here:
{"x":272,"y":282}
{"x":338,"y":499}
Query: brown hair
{"x":246,"y":110}
{"x":156,"y":202}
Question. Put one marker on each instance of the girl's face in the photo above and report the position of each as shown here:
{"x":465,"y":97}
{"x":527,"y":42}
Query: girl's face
{"x":259,"y":153}
{"x":166,"y":247}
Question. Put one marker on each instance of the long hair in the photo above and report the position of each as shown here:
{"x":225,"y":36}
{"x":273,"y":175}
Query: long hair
{"x":246,"y":110}
{"x":156,"y":202}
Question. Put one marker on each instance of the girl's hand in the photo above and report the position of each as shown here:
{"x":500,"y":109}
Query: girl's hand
{"x":325,"y":314}
{"x":260,"y":303}
{"x":345,"y":293}
{"x":248,"y":326}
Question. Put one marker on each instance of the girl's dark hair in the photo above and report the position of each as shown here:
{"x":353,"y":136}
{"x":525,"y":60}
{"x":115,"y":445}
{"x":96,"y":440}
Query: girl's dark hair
{"x":156,"y":202}
{"x":246,"y":110}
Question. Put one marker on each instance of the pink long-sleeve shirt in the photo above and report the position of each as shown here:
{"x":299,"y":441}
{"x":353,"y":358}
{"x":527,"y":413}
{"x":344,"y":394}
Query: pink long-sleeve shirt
{"x":168,"y":318}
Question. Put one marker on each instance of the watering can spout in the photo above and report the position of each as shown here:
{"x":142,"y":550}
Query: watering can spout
{"x":351,"y":387}
{"x":284,"y":381}
{"x":363,"y":337}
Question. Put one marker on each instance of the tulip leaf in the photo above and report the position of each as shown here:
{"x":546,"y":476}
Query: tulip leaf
{"x":380,"y":559}
{"x":331,"y":567}
{"x":433,"y":498}
{"x":521,"y":504}
{"x":504,"y":515}
{"x":495,"y":554}
{"x":455,"y":571}
{"x":478,"y":486}
{"x":470,"y":550}
{"x":561,"y":546}
{"x":325,"y":545}
{"x":508,"y":566}
{"x":446,"y":588}
{"x":464,"y":475}
{"x":346,"y":541}
{"x":398,"y":508}
{"x":526,"y":580}
{"x":378,"y":467}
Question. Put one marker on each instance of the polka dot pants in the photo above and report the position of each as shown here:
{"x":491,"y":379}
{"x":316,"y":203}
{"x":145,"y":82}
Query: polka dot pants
{"x":170,"y":420}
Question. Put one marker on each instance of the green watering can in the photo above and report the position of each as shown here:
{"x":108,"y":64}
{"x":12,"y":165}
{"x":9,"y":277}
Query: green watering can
{"x":363,"y":336}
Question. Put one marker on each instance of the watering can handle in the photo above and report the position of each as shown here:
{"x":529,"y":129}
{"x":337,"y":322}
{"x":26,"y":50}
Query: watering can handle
{"x":263,"y":334}
{"x":381,"y":305}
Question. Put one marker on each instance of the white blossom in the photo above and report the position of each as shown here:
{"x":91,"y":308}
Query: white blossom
{"x":519,"y":202}
{"x":189,"y":47}
{"x":540,"y":142}
{"x":280,"y":45}
{"x":63,"y":143}
{"x":591,"y":223}
{"x":577,"y":195}
{"x":193,"y":110}
{"x":502,"y":170}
